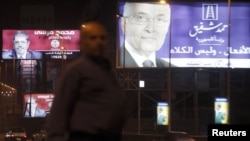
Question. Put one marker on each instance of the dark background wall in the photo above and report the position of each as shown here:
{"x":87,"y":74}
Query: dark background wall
{"x":67,"y":14}
{"x":70,"y":14}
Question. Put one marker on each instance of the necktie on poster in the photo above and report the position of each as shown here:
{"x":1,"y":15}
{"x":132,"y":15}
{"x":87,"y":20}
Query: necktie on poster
{"x":148,"y":63}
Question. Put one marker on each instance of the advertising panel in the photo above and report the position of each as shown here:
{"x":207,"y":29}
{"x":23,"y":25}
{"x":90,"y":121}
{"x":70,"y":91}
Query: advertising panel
{"x":40,"y":44}
{"x":39,"y":103}
{"x":162,"y":113}
{"x":213,"y":35}
{"x":221,"y":111}
{"x":194,"y":35}
{"x":143,"y":32}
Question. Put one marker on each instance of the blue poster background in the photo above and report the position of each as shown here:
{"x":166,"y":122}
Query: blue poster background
{"x":199,"y":30}
{"x":205,"y":34}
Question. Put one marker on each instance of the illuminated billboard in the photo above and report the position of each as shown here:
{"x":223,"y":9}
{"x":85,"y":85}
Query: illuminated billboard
{"x":162,"y":113}
{"x":40,"y":44}
{"x":198,"y":34}
{"x":221,"y":111}
{"x":37,"y":105}
{"x":143,"y":30}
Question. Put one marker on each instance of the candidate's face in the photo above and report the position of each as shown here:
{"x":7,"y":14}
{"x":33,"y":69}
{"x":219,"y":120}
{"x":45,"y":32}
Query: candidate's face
{"x":146,"y":25}
{"x":21,"y":44}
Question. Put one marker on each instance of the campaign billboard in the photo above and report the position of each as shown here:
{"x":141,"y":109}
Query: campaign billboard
{"x":200,"y":34}
{"x":37,"y":105}
{"x":40,"y":44}
{"x":210,"y":35}
{"x":162,"y":113}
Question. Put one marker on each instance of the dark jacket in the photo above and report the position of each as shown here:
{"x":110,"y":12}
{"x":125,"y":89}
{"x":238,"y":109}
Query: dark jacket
{"x":11,"y":54}
{"x":126,"y":60}
{"x":87,"y":99}
{"x":38,"y":113}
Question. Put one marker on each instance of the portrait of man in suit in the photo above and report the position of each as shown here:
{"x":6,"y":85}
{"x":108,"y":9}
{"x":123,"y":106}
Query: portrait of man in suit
{"x":145,"y":26}
{"x":161,"y":117}
{"x":32,"y":110}
{"x":21,"y":44}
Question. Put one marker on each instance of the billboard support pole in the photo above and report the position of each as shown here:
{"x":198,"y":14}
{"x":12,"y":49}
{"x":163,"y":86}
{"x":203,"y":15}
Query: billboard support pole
{"x":229,"y":65}
{"x":196,"y":110}
{"x":139,"y":107}
{"x":169,"y":83}
{"x":169,"y":99}
{"x":30,"y":85}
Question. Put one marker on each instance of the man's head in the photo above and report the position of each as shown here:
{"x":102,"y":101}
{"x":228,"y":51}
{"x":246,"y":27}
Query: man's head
{"x":145,"y":25}
{"x":21,"y":42}
{"x":160,"y":110}
{"x":218,"y":107}
{"x":93,"y":39}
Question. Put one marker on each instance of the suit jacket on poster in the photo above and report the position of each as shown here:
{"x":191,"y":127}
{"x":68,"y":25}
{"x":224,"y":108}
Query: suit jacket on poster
{"x":11,"y":54}
{"x":130,"y":62}
{"x":38,"y":113}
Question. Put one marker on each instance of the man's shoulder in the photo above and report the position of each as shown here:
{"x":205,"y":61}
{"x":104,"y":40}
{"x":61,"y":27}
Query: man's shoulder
{"x":39,"y":110}
{"x":75,"y":65}
{"x":7,"y":54}
{"x":79,"y":64}
{"x":35,"y":54}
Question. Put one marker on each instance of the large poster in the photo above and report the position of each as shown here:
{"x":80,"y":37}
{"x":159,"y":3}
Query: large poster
{"x":143,"y":33}
{"x":37,"y":104}
{"x":162,"y":113}
{"x":198,"y":34}
{"x":40,"y":44}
